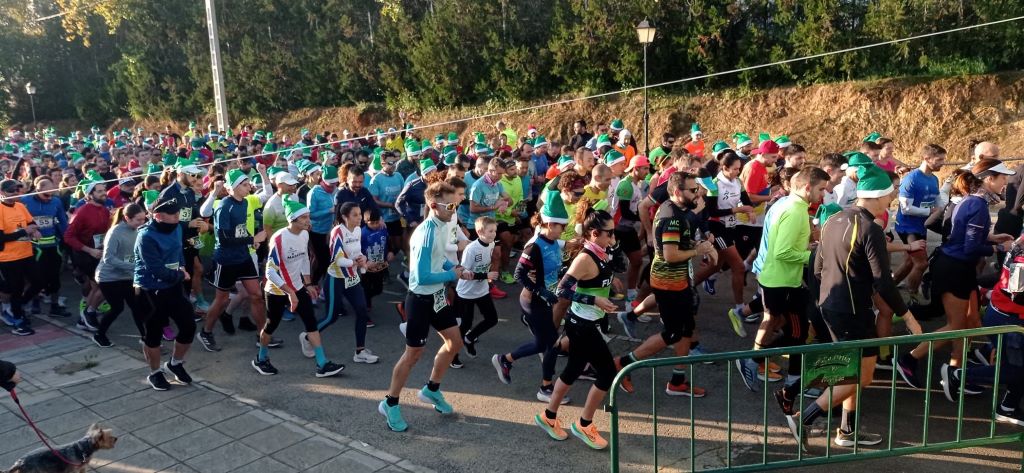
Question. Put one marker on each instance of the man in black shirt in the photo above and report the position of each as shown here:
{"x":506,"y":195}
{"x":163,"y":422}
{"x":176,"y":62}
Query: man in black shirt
{"x":580,"y":135}
{"x":852,"y":264}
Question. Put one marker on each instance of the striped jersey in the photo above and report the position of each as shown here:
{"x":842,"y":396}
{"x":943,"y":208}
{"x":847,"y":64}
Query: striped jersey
{"x":671,"y":227}
{"x":287,"y":261}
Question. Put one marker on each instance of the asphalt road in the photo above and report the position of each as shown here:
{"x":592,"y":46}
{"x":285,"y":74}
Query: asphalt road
{"x":493,"y":430}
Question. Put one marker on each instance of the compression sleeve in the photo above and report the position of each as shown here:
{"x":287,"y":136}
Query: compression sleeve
{"x":567,"y":290}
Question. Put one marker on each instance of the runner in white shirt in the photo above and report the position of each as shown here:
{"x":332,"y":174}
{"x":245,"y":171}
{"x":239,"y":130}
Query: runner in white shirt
{"x":288,"y":285}
{"x":475,"y":293}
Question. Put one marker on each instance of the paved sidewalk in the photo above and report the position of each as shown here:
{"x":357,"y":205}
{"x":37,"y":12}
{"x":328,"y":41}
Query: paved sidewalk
{"x":69,"y":383}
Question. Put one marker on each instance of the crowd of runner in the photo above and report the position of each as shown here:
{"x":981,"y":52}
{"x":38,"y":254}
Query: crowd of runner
{"x":584,"y":232}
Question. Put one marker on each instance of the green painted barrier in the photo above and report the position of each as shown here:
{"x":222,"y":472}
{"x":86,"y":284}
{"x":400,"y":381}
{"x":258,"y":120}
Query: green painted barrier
{"x":831,"y":363}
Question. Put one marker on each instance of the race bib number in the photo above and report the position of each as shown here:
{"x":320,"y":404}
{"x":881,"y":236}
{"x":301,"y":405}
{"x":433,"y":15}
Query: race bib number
{"x":196,"y":242}
{"x":43,"y":222}
{"x":172,"y":266}
{"x":241,"y":231}
{"x":97,"y":240}
{"x":440,"y":301}
{"x":350,"y":282}
{"x":186,"y":214}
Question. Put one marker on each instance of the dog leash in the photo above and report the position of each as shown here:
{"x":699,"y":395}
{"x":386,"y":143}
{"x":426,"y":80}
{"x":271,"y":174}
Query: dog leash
{"x":28,"y":419}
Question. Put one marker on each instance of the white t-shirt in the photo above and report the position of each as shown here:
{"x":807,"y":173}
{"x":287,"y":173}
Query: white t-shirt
{"x":728,"y":198}
{"x":287,"y":262}
{"x":476,"y":258}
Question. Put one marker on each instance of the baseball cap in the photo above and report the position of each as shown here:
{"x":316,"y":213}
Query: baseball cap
{"x":285,"y":177}
{"x":10,"y":185}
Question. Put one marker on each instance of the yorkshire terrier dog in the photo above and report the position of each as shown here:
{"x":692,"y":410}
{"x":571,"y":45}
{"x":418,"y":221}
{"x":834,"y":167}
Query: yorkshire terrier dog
{"x":76,"y":455}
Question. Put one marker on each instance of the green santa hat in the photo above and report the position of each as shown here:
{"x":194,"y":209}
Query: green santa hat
{"x":88,"y":184}
{"x":565,"y":162}
{"x":782,"y":141}
{"x":154,"y":168}
{"x":149,"y":197}
{"x":453,"y":138}
{"x":694,"y":130}
{"x":258,"y":136}
{"x":613,"y":157}
{"x":603,"y":140}
{"x":719,"y":147}
{"x":741,"y":140}
{"x":293,"y":209}
{"x":425,"y":144}
{"x":449,"y":154}
{"x":762,"y":137}
{"x":189,"y":166}
{"x":273,"y":170}
{"x":307,"y":167}
{"x":235,"y":177}
{"x":412,"y":147}
{"x":616,"y":124}
{"x":483,"y":150}
{"x":856,"y":159}
{"x":191,"y":124}
{"x":539,"y":141}
{"x":439,"y":138}
{"x":873,"y":182}
{"x":330,"y":174}
{"x":427,"y":166}
{"x":825,"y":211}
{"x":873,"y":137}
{"x":553,"y":210}
{"x":479,"y":138}
{"x":269,"y":148}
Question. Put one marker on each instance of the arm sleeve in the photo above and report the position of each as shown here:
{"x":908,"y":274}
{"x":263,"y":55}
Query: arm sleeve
{"x":881,"y":273}
{"x":423,"y":265}
{"x":976,"y":232}
{"x":206,"y":210}
{"x":745,"y":198}
{"x":567,"y":290}
{"x":532,"y":259}
{"x":906,"y":200}
{"x":711,"y":207}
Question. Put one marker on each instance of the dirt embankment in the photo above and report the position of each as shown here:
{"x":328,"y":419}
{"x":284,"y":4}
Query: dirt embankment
{"x":824,"y":118}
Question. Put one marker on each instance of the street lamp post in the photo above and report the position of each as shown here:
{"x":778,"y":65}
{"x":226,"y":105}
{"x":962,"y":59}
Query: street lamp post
{"x":645,"y":32}
{"x":31,"y":89}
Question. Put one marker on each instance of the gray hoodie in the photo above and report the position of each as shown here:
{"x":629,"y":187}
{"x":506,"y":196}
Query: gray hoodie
{"x":118,"y":261}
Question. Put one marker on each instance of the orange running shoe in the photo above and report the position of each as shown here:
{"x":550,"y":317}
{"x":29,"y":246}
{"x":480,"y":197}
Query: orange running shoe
{"x":589,"y":435}
{"x":684,"y":390}
{"x":552,"y":427}
{"x":498,"y":293}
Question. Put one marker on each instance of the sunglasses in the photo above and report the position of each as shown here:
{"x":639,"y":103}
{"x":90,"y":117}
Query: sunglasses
{"x":450,"y":207}
{"x":692,"y":189}
{"x":610,"y":233}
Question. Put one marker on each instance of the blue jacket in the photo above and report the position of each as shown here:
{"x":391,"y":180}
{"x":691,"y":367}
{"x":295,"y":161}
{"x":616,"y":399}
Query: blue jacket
{"x":321,"y":210}
{"x":410,"y":201}
{"x":157,"y":258}
{"x":230,"y":227}
{"x":968,"y":239}
{"x":50,"y":217}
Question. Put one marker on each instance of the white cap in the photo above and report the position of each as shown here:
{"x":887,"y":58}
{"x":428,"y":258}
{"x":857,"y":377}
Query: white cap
{"x":998,"y":169}
{"x":285,"y":177}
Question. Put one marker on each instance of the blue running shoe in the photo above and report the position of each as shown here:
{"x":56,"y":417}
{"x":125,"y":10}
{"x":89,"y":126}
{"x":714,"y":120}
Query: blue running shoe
{"x":8,"y":318}
{"x":394,"y":416}
{"x":437,"y":399}
{"x":709,"y":286}
{"x":748,"y":372}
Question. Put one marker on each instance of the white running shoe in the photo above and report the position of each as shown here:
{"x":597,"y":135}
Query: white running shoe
{"x":365,"y":356}
{"x":307,"y":347}
{"x":401,"y":327}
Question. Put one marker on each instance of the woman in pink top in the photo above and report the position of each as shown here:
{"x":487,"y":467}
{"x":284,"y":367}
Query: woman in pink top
{"x":887,"y":157}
